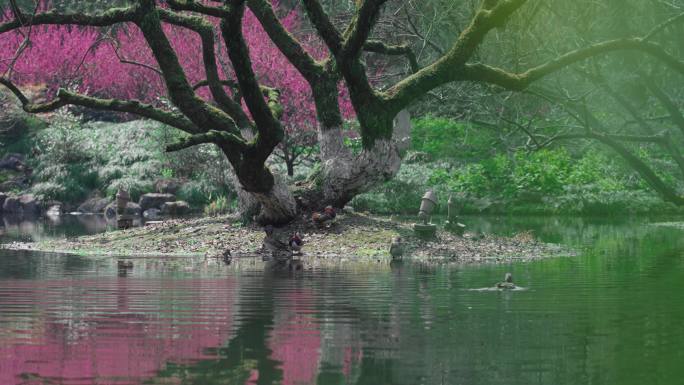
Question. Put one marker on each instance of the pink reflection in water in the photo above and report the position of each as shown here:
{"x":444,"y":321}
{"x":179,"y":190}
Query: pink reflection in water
{"x":296,"y":339}
{"x":109,"y":331}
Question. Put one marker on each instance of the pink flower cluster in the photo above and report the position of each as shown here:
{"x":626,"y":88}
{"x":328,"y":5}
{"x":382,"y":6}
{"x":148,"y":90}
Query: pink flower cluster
{"x":86,"y":59}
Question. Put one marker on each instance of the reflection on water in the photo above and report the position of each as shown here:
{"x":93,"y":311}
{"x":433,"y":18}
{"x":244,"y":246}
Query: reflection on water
{"x":611,"y":315}
{"x":18,"y":228}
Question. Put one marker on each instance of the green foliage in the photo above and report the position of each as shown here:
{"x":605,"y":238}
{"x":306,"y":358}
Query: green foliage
{"x":74,"y":159}
{"x":445,"y":138}
{"x":65,"y":168}
{"x":198,"y":192}
{"x":167,"y":173}
{"x":545,"y":181}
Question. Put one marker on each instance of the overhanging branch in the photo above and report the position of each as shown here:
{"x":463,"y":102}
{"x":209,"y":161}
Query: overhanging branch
{"x":211,"y":136}
{"x":107,"y":18}
{"x":135,"y":107}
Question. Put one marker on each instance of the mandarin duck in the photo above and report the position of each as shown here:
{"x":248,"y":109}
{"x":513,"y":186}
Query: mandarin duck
{"x":507,"y":282}
{"x":296,"y":243}
{"x":325,"y":218}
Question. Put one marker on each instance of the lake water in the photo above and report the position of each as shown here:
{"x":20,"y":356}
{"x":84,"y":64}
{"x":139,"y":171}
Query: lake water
{"x":614,"y":314}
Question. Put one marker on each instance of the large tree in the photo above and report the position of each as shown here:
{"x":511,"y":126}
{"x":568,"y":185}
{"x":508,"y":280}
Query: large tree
{"x":249,"y":137}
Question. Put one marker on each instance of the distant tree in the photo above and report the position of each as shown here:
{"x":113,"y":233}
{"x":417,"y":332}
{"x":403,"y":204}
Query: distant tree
{"x":343,"y":173}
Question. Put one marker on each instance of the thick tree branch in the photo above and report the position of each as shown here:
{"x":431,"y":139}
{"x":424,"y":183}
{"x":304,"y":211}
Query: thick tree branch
{"x":107,"y":18}
{"x":224,"y":82}
{"x":212,"y":136}
{"x":206,"y":33}
{"x":200,"y":112}
{"x":194,"y":6}
{"x":268,"y":127}
{"x":16,"y":11}
{"x":135,"y":107}
{"x":377,"y":46}
{"x":448,"y":67}
{"x":360,"y":27}
{"x":331,"y":36}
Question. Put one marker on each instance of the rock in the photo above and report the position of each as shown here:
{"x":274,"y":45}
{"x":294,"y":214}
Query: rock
{"x":151,"y":214}
{"x":175,"y":208}
{"x":11,"y":205}
{"x":155,"y":200}
{"x":15,"y":182}
{"x":94,"y":205}
{"x":29,"y":205}
{"x":14,"y":162}
{"x":167,"y":186}
{"x":133,"y":209}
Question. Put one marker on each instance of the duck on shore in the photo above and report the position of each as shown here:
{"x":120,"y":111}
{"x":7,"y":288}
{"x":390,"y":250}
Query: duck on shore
{"x":325,"y":218}
{"x":507,"y":282}
{"x":277,"y":248}
{"x":296,"y":243}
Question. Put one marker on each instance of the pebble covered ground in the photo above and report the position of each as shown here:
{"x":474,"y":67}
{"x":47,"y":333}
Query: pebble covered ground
{"x":353,"y":237}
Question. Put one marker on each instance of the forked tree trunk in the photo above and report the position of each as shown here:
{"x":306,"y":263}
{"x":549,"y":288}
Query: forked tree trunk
{"x":345,"y":174}
{"x":276,"y":207}
{"x":342,"y":176}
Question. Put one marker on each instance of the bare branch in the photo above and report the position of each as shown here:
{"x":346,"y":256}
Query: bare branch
{"x":660,"y":27}
{"x":520,"y":81}
{"x":667,"y":102}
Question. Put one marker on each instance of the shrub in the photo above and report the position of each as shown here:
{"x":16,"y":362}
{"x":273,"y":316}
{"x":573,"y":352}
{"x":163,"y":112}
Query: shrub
{"x":219,"y":205}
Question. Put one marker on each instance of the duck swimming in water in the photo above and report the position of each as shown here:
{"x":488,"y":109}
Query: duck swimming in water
{"x":124,"y":265}
{"x":396,"y":248}
{"x":227,"y":257}
{"x":507,"y":282}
